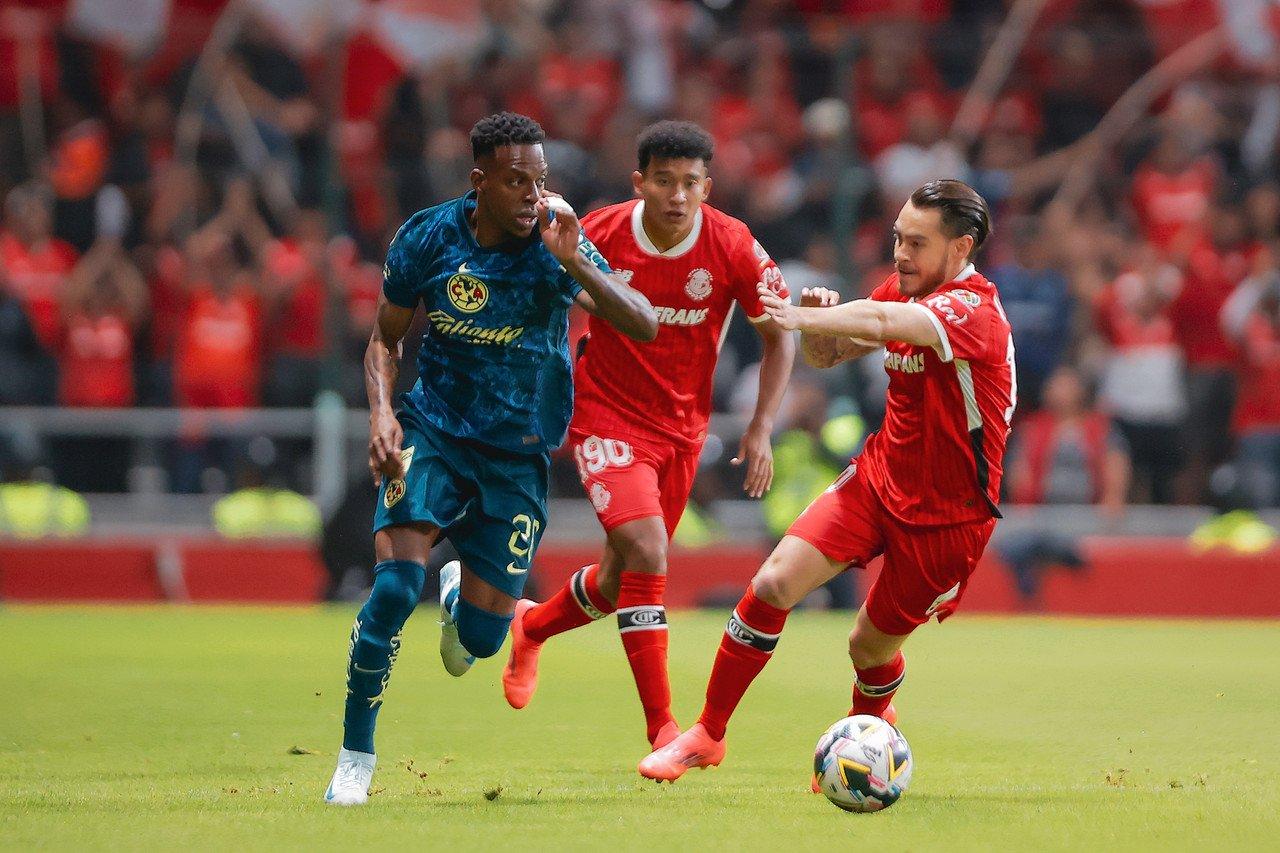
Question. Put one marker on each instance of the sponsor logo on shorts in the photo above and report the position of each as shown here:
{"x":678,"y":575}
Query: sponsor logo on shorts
{"x":948,"y":596}
{"x":513,"y":569}
{"x":600,"y":497}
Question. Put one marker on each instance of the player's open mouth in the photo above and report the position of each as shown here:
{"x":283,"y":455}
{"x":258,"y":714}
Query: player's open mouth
{"x":527,"y":219}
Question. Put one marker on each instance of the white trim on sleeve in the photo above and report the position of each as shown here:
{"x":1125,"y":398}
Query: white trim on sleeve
{"x":944,"y":341}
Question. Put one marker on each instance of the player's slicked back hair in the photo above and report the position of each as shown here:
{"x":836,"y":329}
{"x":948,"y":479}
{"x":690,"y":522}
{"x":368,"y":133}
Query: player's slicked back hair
{"x":963,"y":210}
{"x":674,"y":140}
{"x":493,"y":132}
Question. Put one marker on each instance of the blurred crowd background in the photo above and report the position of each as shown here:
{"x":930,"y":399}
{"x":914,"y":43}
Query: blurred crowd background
{"x":198,"y":194}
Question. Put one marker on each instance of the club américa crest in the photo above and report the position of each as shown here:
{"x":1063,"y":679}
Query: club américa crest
{"x":467,"y":293}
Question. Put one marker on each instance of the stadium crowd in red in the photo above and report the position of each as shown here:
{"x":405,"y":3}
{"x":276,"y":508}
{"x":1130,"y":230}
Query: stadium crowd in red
{"x":221,"y":256}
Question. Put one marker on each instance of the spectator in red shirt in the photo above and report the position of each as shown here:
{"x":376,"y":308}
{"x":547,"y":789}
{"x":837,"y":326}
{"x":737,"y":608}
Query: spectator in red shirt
{"x":37,"y":264}
{"x":1212,"y":270}
{"x":104,"y":303}
{"x":1172,"y":192}
{"x":295,"y":294}
{"x":218,"y":359}
{"x":1252,"y":318}
{"x":1142,"y":381}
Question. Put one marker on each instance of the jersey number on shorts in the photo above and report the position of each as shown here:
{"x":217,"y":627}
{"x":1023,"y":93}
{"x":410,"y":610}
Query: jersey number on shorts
{"x":595,"y":454}
{"x":523,"y":540}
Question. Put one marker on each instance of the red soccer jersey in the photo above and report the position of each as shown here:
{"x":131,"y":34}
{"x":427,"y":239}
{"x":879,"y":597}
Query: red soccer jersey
{"x":939,"y":457}
{"x":662,"y":389}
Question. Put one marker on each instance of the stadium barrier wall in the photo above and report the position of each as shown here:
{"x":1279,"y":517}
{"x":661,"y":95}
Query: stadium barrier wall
{"x":1125,"y":576}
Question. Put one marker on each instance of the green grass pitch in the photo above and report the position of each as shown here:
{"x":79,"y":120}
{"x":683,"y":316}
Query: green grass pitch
{"x":179,"y":727}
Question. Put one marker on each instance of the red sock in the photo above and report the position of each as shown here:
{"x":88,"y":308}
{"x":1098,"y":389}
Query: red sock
{"x":874,"y":688}
{"x":575,"y":604}
{"x":642,"y":622}
{"x":748,"y":643}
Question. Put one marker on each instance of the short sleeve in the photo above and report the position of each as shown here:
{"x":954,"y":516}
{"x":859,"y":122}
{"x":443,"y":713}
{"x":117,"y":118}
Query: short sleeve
{"x":398,"y":279}
{"x":589,"y":251}
{"x":963,"y":320}
{"x":753,"y":267}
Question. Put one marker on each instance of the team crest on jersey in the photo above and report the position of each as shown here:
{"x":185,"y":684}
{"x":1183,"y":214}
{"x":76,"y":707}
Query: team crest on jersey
{"x":467,"y":293}
{"x":968,"y":297}
{"x":600,"y":497}
{"x":699,"y":284}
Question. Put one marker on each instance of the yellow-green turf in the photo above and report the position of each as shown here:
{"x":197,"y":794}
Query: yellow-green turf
{"x":178,"y":727}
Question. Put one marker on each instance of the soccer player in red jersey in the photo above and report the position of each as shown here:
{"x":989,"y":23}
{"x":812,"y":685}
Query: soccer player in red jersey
{"x":641,"y":412}
{"x":922,"y":493}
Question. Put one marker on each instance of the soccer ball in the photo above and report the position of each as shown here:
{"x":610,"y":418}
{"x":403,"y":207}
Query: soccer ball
{"x":862,"y":764}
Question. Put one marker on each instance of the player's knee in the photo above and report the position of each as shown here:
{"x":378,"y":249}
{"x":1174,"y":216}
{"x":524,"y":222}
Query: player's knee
{"x":480,"y":631}
{"x":647,"y":555}
{"x":773,"y":587}
{"x":397,"y":587}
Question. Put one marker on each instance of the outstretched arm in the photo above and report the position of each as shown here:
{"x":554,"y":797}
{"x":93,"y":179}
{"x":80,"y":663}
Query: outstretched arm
{"x":381,"y":367}
{"x":867,"y":320}
{"x":828,"y":350}
{"x":605,"y":296}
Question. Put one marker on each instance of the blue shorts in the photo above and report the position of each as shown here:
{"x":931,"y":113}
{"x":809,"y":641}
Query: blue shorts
{"x":491,"y":504}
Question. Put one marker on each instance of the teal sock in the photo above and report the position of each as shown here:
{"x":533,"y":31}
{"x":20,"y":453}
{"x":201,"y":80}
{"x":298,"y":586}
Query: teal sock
{"x":375,"y":643}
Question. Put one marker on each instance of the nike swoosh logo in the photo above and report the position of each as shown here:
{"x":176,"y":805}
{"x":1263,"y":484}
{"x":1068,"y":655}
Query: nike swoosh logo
{"x":512,"y":570}
{"x":462,"y":268}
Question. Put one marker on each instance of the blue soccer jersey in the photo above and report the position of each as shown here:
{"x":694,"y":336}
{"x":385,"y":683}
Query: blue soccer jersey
{"x":494,"y":362}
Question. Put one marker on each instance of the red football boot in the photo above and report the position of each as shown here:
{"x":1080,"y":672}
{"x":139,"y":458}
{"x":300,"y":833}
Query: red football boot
{"x":666,"y":734}
{"x":520,"y":676}
{"x":694,"y":748}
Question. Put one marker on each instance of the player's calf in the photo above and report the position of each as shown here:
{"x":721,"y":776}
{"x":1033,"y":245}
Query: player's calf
{"x":878,"y":664}
{"x":375,"y":643}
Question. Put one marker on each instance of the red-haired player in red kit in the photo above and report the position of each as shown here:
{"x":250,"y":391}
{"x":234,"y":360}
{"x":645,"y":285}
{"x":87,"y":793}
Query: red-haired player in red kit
{"x":641,"y":412}
{"x":924,"y":490}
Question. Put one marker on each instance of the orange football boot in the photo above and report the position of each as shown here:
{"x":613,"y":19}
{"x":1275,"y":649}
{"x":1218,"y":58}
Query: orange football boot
{"x":666,"y":734}
{"x":520,"y":676}
{"x":694,"y":748}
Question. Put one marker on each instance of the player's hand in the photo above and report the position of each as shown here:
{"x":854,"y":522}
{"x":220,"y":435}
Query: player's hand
{"x":780,"y":310}
{"x":818,"y":297}
{"x":755,"y":450}
{"x":560,"y":234}
{"x":385,"y":438}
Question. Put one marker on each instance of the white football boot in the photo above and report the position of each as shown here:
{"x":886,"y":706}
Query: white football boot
{"x":456,"y":658}
{"x":350,"y":783}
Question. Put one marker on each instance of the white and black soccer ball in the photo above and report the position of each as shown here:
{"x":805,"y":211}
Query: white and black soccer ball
{"x":862,"y":764}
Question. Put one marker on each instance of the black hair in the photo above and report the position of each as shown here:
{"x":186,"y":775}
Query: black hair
{"x":492,"y":132}
{"x":674,"y":140}
{"x":963,"y":210}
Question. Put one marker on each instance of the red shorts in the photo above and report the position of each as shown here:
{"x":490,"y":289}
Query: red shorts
{"x":926,"y":569}
{"x":632,"y":478}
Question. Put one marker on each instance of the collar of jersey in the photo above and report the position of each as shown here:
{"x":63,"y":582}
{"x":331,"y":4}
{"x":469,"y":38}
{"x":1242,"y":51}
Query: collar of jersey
{"x":966,"y":273}
{"x":647,"y":246}
{"x":509,"y":247}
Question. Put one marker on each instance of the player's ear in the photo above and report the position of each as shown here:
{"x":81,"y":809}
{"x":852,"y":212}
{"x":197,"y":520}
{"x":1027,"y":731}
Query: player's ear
{"x":637,"y":181}
{"x":706,"y":188}
{"x":477,"y":177}
{"x":965,"y":244}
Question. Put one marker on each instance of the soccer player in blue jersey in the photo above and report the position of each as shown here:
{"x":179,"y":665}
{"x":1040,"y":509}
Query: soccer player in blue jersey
{"x":465,"y":456}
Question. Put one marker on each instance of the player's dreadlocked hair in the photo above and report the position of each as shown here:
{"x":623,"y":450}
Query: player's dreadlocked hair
{"x":963,"y":210}
{"x":492,"y":132}
{"x":674,"y":140}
